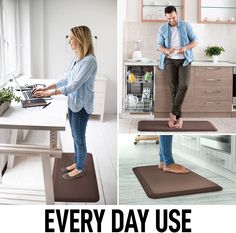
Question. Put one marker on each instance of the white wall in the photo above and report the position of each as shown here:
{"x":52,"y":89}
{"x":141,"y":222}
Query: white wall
{"x":51,"y":22}
{"x":209,"y":34}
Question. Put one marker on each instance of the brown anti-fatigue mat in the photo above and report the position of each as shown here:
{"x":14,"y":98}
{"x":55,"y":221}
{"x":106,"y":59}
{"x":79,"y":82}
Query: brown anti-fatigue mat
{"x":159,"y":184}
{"x":188,"y":126}
{"x":83,"y":189}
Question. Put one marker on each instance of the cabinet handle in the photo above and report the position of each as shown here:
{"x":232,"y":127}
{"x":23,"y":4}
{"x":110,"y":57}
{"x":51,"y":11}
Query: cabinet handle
{"x":211,"y":102}
{"x":188,"y":137}
{"x":213,"y":68}
{"x":213,"y":79}
{"x":217,"y":91}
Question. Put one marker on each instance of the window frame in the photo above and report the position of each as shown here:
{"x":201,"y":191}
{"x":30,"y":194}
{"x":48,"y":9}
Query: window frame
{"x":5,"y":78}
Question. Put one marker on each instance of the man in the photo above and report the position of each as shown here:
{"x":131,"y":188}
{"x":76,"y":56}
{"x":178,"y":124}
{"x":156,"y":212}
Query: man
{"x":176,"y":39}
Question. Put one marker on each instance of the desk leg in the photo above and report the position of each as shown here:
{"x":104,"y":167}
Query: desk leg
{"x":47,"y":172}
{"x":48,"y":182}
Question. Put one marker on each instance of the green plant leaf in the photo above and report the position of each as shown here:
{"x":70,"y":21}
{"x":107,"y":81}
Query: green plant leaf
{"x":214,"y":51}
{"x":7,"y":95}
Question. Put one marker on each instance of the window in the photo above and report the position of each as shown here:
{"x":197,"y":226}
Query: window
{"x":9,"y":49}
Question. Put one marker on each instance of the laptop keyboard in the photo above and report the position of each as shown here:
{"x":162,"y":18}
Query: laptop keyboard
{"x":28,"y":95}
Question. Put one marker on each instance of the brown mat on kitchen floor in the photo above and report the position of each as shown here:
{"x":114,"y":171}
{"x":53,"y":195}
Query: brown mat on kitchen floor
{"x":187,"y":126}
{"x":158,"y":184}
{"x":83,"y":189}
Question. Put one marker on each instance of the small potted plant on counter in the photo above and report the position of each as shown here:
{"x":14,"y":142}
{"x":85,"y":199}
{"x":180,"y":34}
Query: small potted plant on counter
{"x":214,"y":52}
{"x":6,"y":96}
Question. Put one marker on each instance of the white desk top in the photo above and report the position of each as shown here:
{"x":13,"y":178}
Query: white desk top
{"x":53,"y":117}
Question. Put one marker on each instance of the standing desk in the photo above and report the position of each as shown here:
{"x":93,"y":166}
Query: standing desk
{"x":52,"y":119}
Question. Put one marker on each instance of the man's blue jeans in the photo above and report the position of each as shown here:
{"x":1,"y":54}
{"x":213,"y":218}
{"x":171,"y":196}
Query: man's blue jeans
{"x":166,"y":156}
{"x":78,"y":123}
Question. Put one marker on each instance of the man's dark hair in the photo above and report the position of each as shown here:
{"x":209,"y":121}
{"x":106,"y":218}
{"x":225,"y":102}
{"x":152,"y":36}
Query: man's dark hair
{"x":170,"y":9}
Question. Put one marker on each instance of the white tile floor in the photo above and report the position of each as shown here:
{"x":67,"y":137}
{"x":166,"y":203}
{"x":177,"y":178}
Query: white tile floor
{"x":146,"y":153}
{"x":27,"y":171}
{"x":223,"y":125}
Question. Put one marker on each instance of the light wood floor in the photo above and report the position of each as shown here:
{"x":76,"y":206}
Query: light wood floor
{"x":223,"y":125}
{"x":27,"y":171}
{"x":147,"y":153}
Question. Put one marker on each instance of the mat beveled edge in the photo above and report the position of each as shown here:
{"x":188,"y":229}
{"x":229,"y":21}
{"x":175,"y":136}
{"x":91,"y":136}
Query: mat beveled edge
{"x":153,"y":195}
{"x":214,"y":129}
{"x":82,"y":201}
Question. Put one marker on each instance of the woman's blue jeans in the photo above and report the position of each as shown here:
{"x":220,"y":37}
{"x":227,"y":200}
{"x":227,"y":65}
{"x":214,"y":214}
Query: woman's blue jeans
{"x":78,"y":123}
{"x":166,"y":156}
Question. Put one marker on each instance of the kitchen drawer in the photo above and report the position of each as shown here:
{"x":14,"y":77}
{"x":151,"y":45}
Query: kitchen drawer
{"x":163,"y":73}
{"x":99,"y":86}
{"x":214,"y":72}
{"x":162,"y":86}
{"x":165,"y":91}
{"x":216,"y":157}
{"x":203,"y":105}
{"x":219,"y":93}
{"x":189,"y":141}
{"x":162,"y":104}
{"x":213,"y":81}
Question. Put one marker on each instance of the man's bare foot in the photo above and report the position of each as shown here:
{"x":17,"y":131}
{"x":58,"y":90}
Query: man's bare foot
{"x":179,"y":123}
{"x":172,"y":120}
{"x":171,"y":124}
{"x":161,"y":165}
{"x":175,"y":168}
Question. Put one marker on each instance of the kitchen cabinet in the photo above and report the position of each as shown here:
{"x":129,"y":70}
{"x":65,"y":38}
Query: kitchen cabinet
{"x":99,"y":95}
{"x":208,"y":150}
{"x":220,"y":12}
{"x":209,"y":93}
{"x":138,"y":89}
{"x":153,"y":10}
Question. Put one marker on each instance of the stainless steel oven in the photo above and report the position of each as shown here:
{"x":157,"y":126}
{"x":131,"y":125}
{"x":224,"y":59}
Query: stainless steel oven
{"x":217,"y":142}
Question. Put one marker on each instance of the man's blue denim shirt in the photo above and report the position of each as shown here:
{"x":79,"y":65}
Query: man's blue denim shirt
{"x":186,"y":36}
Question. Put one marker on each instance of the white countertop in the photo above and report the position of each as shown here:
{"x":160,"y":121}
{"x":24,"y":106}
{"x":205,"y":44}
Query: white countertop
{"x":195,"y":63}
{"x":209,"y":63}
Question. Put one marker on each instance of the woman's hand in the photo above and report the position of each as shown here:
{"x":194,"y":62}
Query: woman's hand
{"x":38,"y":93}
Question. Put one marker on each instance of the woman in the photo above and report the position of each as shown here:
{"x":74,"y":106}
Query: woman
{"x":78,"y":86}
{"x":167,"y":163}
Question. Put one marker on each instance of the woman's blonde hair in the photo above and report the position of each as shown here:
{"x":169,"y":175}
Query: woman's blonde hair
{"x":84,"y":38}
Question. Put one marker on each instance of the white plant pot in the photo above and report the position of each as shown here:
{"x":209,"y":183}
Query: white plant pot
{"x":215,"y":59}
{"x":4,"y":106}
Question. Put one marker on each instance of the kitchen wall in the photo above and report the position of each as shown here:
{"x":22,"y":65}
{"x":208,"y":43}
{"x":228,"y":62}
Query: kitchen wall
{"x":50,"y":52}
{"x":209,"y":34}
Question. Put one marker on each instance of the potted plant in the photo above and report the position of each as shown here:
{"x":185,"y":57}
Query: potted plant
{"x":214,"y":52}
{"x":6,"y":96}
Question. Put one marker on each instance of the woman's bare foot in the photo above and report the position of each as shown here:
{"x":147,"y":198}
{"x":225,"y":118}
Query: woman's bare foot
{"x":161,"y":165}
{"x":71,"y":167}
{"x":74,"y":172}
{"x":179,"y":123}
{"x":175,"y":168}
{"x":172,"y":120}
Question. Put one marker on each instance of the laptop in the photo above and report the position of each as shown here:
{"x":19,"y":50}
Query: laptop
{"x":30,"y":101}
